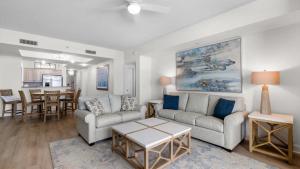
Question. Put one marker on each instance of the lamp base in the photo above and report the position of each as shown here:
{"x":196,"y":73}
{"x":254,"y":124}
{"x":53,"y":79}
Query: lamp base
{"x":265,"y":106}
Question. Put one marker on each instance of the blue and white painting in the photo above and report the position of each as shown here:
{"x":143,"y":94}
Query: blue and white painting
{"x":212,"y":68}
{"x":102,"y":77}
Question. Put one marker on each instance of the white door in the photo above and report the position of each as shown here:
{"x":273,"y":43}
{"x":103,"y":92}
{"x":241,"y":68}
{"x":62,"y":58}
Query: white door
{"x":129,"y":80}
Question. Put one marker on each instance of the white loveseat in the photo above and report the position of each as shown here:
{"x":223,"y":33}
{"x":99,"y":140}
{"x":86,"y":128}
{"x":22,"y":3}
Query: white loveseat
{"x":93,"y":128}
{"x":196,"y":110}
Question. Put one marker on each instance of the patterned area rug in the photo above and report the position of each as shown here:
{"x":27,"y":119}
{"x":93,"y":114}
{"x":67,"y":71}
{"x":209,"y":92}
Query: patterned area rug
{"x":74,"y":153}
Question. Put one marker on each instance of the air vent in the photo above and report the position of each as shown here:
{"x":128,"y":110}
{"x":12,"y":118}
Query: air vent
{"x":28,"y":42}
{"x":90,"y":52}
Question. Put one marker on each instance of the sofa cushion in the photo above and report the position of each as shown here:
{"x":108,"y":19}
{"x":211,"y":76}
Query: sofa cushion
{"x":223,"y":108}
{"x":95,"y":106}
{"x":128,"y":103}
{"x":183,"y":99}
{"x":169,"y":114}
{"x":187,"y":117}
{"x":115,"y":102}
{"x":171,"y":102}
{"x":81,"y":102}
{"x":197,"y":103}
{"x":108,"y":119}
{"x":210,"y":122}
{"x":130,"y":115}
{"x":239,"y":105}
{"x":104,"y":99}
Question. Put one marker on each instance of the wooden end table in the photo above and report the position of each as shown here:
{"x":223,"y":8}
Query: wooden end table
{"x":271,"y":124}
{"x":150,"y":108}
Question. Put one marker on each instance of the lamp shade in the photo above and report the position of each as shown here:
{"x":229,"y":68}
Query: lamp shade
{"x":164,"y":80}
{"x":266,"y":77}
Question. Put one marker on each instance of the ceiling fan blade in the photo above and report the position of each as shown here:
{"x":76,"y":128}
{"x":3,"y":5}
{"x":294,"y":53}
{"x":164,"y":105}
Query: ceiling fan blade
{"x":155,"y":8}
{"x":112,"y":9}
{"x":131,"y":1}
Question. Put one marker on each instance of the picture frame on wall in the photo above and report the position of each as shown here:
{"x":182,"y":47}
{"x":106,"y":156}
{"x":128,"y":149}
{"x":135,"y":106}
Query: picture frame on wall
{"x":102,"y":79}
{"x":210,"y":68}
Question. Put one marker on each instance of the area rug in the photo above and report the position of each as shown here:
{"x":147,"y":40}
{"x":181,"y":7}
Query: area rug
{"x":74,"y":153}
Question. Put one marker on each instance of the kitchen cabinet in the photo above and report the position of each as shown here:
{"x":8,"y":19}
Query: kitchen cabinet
{"x":36,"y":75}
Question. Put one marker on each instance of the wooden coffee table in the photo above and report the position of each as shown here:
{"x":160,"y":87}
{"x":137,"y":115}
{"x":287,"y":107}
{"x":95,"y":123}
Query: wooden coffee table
{"x":167,"y":141}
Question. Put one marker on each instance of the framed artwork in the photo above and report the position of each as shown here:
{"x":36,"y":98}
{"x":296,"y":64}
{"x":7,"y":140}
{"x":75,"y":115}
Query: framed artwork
{"x":211,"y":68}
{"x":102,"y":78}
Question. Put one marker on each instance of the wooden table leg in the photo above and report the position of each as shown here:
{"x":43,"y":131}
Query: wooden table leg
{"x":171,"y":150}
{"x":127,"y":148}
{"x":13,"y":110}
{"x":290,"y":144}
{"x":146,"y":159}
{"x":190,"y":142}
{"x":250,"y":135}
{"x":113,"y":141}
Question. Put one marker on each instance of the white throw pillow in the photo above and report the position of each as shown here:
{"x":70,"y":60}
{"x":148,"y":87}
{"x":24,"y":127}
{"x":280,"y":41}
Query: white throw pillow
{"x":95,"y":106}
{"x":128,"y":103}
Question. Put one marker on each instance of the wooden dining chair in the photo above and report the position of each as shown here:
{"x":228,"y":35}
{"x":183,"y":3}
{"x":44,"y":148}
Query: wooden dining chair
{"x":26,"y":104}
{"x":68,"y":101}
{"x":78,"y":93}
{"x":51,"y":100}
{"x":6,"y":92}
{"x":36,"y":99}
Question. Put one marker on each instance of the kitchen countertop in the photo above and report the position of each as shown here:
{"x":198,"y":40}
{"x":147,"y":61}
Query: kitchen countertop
{"x":24,"y":87}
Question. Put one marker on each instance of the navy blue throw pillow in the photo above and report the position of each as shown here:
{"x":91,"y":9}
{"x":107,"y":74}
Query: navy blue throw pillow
{"x":171,"y":102}
{"x":223,"y":108}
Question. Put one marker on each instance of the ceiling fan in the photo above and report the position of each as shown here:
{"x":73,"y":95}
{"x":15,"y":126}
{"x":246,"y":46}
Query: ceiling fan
{"x":134,"y":7}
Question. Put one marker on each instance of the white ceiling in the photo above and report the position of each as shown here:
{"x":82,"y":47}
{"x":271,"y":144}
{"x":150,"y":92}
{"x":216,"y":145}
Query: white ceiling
{"x":35,"y":54}
{"x":95,"y":22}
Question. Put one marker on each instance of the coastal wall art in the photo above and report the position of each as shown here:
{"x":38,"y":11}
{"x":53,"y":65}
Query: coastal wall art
{"x":102,"y":77}
{"x":211,"y":68}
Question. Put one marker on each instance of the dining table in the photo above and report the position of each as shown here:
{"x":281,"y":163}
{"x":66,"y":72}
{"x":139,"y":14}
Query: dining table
{"x":62,"y":93}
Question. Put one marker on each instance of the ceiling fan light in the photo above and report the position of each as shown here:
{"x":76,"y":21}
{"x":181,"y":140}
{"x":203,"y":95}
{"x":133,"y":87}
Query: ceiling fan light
{"x":134,"y":8}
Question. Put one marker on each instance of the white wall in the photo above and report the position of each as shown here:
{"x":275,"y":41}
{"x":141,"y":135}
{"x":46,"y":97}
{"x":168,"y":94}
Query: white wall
{"x":10,"y":73}
{"x":259,"y":12}
{"x":276,"y":49}
{"x":87,"y":78}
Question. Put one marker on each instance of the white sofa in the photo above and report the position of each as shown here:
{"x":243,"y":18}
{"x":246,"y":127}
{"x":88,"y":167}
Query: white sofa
{"x":93,"y":128}
{"x":196,"y":110}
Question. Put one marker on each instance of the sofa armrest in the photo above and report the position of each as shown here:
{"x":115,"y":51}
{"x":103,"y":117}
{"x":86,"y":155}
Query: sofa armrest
{"x":85,"y":115}
{"x":86,"y":125}
{"x":234,"y":129}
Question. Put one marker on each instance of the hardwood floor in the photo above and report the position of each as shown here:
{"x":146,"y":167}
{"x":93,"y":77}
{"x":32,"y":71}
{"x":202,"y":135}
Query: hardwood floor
{"x":26,"y":145}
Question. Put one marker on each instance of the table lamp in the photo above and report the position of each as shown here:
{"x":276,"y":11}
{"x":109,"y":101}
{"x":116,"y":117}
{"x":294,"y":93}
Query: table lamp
{"x":165,"y":81}
{"x":264,"y":78}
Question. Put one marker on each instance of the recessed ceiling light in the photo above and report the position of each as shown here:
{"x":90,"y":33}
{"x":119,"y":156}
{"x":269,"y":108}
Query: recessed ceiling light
{"x":71,"y":72}
{"x":72,"y":61}
{"x":43,"y":62}
{"x":134,"y":8}
{"x":83,"y":64}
